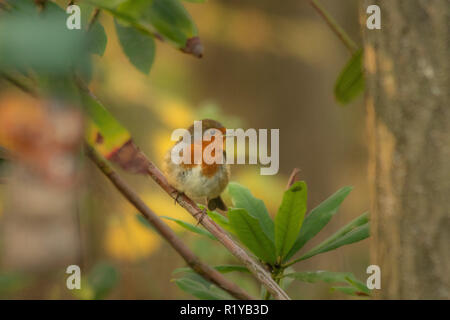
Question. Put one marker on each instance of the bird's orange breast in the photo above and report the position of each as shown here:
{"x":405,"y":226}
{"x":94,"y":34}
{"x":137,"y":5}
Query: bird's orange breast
{"x":209,"y":170}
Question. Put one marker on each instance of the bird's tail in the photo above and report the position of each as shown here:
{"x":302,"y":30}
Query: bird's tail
{"x":217,"y":203}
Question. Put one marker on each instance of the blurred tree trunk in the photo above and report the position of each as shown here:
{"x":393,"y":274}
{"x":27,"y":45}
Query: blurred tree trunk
{"x":40,"y":231}
{"x":408,"y":113}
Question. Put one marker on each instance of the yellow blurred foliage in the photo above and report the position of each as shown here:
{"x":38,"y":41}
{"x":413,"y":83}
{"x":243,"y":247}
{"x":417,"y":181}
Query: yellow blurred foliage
{"x":161,"y":143}
{"x":164,"y":205}
{"x":128,"y":239}
{"x":174,"y":113}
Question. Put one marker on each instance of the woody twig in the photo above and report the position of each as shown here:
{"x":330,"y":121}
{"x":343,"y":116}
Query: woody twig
{"x":164,"y":230}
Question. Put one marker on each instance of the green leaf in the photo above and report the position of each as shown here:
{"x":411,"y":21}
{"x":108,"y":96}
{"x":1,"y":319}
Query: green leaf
{"x":329,"y":277}
{"x":195,"y":1}
{"x":318,"y":218}
{"x":289,"y":218}
{"x":137,"y":46}
{"x":358,"y":221}
{"x":106,"y":4}
{"x":103,"y":278}
{"x":243,"y":198}
{"x":249,"y":231}
{"x":23,"y":6}
{"x":350,"y":82}
{"x":222,"y":269}
{"x":40,"y":42}
{"x":171,"y":20}
{"x":103,"y":131}
{"x":285,"y":282}
{"x":219,"y":219}
{"x":191,"y":227}
{"x":164,"y":19}
{"x":96,"y":39}
{"x":200,"y":290}
{"x":316,"y":276}
{"x":357,"y":234}
{"x":231,"y":268}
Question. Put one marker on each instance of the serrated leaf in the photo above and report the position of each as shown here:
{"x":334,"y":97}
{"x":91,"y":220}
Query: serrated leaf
{"x":350,"y":82}
{"x":137,"y":46}
{"x":289,"y":218}
{"x":318,"y":218}
{"x":191,"y":227}
{"x":249,"y":231}
{"x":103,"y":278}
{"x":243,"y":198}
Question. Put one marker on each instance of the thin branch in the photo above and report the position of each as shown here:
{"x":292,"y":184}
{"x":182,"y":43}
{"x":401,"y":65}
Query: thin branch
{"x":18,"y":84}
{"x":187,"y":203}
{"x":253,"y":266}
{"x":258,"y":271}
{"x":348,"y":42}
{"x":191,"y":259}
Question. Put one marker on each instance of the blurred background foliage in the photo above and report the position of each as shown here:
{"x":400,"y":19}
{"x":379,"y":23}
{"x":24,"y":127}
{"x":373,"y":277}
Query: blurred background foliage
{"x":265,"y":65}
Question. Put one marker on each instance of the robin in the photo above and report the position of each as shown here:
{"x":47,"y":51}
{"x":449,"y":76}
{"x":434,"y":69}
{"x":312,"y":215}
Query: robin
{"x":203,"y":179}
